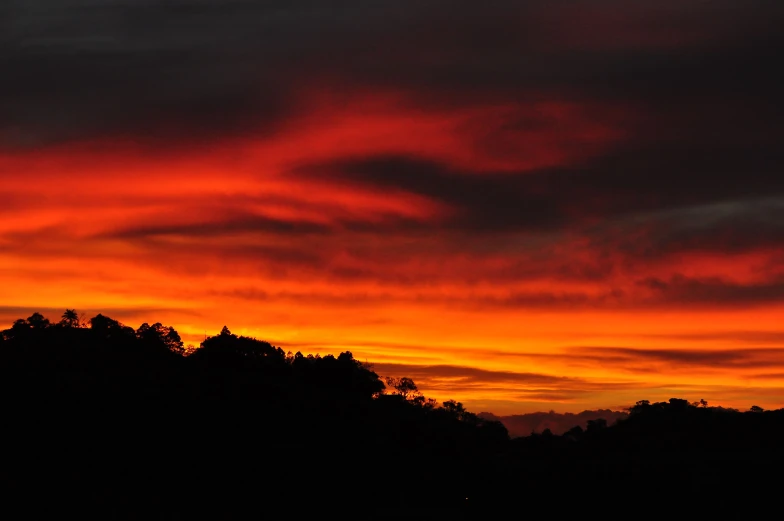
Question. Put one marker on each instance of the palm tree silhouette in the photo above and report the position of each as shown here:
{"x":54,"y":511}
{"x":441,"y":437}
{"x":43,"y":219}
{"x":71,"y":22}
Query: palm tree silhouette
{"x":70,"y":318}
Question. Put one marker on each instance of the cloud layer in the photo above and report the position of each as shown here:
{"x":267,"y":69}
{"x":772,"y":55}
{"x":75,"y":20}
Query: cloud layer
{"x":497,"y":187}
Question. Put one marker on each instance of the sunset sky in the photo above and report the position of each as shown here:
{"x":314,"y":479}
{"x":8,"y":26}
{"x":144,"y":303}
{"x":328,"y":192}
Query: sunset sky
{"x":522,"y":205}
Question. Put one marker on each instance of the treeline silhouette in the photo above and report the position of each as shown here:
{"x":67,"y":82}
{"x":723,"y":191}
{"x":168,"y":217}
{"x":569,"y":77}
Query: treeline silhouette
{"x":124,"y":419}
{"x":111,"y":422}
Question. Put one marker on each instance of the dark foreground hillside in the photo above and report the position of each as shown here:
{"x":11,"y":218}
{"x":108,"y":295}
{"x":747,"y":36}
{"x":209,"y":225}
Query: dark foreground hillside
{"x":109,"y":422}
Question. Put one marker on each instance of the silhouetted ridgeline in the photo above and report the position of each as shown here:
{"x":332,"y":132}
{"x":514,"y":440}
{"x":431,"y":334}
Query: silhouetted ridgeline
{"x":107,"y":421}
{"x":557,"y":423}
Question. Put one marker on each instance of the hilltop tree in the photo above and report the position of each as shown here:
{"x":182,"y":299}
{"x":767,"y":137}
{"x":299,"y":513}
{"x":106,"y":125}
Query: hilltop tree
{"x":640,"y":407}
{"x":22,"y":327}
{"x":19,"y":328}
{"x":404,"y":387}
{"x":454,"y":408}
{"x":109,"y":328}
{"x":159,"y":335}
{"x":70,"y":318}
{"x":38,"y":321}
{"x":229,"y":350}
{"x":594,"y":426}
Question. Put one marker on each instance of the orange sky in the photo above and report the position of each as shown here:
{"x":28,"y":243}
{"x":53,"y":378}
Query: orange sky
{"x":531,"y":236}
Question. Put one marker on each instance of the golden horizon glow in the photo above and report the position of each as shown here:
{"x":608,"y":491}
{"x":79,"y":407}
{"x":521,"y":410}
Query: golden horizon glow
{"x":263,"y":233}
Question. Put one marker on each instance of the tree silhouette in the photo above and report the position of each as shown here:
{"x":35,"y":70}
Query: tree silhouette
{"x":229,"y":350}
{"x":454,"y":408}
{"x":19,"y":328}
{"x":594,"y":426}
{"x":158,"y":335}
{"x":70,"y":318}
{"x":37,"y":321}
{"x":109,"y":328}
{"x":404,"y":387}
{"x":311,"y":417}
{"x":575,"y":433}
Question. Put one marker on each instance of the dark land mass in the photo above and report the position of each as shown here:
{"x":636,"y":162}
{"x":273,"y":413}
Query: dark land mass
{"x":104,"y":421}
{"x":557,"y":423}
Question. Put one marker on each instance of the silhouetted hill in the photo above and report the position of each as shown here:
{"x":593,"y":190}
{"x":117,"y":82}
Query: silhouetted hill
{"x":107,"y":417}
{"x":110,"y":422}
{"x":557,"y":423}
